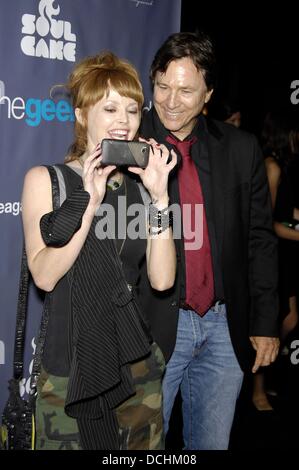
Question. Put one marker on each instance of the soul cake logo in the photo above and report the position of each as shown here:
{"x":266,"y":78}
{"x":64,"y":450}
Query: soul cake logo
{"x":45,"y":36}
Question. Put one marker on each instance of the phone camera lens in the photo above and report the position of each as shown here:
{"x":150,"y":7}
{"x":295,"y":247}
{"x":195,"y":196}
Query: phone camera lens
{"x":143,"y":150}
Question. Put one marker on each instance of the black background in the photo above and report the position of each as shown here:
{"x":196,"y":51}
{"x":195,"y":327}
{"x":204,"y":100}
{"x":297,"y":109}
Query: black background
{"x":257,"y":47}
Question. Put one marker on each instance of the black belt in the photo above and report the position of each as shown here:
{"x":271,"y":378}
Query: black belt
{"x":186,"y":306}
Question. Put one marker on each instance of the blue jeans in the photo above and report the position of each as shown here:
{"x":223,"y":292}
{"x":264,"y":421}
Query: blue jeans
{"x":204,"y":366}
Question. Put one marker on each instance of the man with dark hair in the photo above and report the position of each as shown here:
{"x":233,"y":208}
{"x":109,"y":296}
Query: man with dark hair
{"x":224,"y":300}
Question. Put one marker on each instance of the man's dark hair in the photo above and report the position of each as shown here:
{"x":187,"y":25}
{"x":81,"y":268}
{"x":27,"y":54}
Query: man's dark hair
{"x":198,"y":46}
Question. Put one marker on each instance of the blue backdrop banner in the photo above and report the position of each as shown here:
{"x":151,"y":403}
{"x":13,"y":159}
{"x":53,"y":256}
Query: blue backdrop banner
{"x":40,"y":42}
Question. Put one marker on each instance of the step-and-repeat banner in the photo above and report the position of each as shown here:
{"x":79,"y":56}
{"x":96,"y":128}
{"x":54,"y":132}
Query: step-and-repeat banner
{"x":40,"y":40}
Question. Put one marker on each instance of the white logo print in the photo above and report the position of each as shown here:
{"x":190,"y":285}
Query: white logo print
{"x":45,"y":36}
{"x":149,"y":3}
{"x":2,"y":352}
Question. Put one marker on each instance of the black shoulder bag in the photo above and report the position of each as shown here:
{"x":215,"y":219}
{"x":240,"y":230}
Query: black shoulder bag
{"x":18,"y":417}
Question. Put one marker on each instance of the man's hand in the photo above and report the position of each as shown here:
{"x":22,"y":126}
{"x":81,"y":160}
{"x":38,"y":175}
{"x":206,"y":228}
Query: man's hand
{"x":266,"y":350}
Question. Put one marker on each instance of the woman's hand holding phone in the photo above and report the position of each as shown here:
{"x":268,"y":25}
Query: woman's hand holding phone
{"x":155,"y":175}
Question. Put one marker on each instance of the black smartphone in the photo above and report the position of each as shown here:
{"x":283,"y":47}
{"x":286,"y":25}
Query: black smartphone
{"x":125,"y":153}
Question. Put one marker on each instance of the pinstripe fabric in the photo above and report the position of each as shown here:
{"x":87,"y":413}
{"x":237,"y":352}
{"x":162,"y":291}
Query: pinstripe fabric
{"x":57,"y":227}
{"x":115,"y":326}
{"x":108,"y":328}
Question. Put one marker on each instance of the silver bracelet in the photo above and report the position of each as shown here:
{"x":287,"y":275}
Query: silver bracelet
{"x":159,"y":219}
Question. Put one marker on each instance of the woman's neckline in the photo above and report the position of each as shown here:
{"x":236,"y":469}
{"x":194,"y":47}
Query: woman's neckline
{"x":76,"y":169}
{"x":112,"y":184}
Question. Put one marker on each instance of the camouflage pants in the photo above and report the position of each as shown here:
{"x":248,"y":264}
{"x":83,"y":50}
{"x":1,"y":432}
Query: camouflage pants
{"x":140,"y":417}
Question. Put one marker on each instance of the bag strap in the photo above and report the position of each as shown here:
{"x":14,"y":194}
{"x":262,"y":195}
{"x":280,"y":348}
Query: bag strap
{"x":55,"y":187}
{"x":21,"y":318}
{"x":18,"y":363}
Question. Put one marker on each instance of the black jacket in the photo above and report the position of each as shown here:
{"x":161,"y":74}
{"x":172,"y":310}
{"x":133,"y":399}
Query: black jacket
{"x":246,"y":243}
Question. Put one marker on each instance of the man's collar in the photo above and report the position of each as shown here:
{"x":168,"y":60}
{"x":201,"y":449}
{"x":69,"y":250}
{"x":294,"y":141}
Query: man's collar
{"x":204,"y":124}
{"x":162,"y":132}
